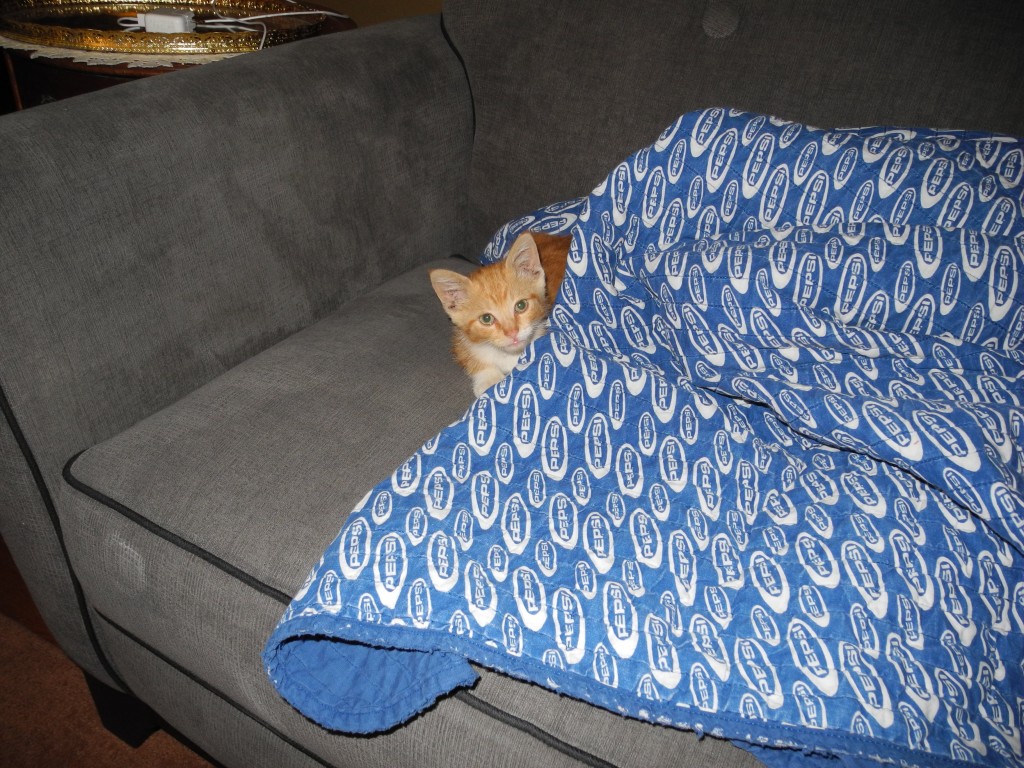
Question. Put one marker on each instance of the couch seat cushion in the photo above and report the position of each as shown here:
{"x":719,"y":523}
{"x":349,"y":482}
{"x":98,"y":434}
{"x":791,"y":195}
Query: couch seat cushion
{"x":258,"y":468}
{"x":192,"y":529}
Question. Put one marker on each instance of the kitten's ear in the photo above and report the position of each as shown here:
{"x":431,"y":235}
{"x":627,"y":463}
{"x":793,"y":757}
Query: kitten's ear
{"x":524,"y":257}
{"x":451,"y":288}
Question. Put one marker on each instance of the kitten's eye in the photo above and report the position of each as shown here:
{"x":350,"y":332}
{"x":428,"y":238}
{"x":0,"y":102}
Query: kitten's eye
{"x":521,"y":305}
{"x":487,"y":319}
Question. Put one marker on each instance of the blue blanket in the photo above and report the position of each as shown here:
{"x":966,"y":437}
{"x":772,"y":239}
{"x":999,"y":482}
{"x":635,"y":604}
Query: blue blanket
{"x":762,"y":479}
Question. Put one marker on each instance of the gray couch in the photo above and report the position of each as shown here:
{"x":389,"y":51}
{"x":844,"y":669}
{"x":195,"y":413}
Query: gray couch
{"x":216,"y":330}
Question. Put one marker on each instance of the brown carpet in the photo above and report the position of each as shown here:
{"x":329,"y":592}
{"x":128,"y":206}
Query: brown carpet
{"x":47,"y":718}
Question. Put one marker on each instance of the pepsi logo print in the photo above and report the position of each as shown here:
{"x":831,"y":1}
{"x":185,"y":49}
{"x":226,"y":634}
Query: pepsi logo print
{"x":570,"y":627}
{"x":704,"y":131}
{"x":866,"y":684}
{"x":662,"y":657}
{"x":328,"y":595}
{"x":758,"y":164}
{"x":758,"y":672}
{"x":516,"y":524}
{"x":554,"y":458}
{"x":438,"y":491}
{"x":354,"y":547}
{"x":764,"y":475}
{"x":485,"y":499}
{"x":390,"y":568}
{"x":563,"y":521}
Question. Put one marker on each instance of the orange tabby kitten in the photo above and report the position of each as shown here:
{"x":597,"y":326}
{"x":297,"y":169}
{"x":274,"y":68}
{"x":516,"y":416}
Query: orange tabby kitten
{"x":500,"y":308}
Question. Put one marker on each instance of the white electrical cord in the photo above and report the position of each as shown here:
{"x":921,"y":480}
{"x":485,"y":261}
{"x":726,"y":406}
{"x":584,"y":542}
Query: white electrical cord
{"x":236,"y":25}
{"x":226,"y":23}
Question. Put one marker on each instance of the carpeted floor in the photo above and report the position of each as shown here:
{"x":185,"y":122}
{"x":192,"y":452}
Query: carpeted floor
{"x":47,"y":719}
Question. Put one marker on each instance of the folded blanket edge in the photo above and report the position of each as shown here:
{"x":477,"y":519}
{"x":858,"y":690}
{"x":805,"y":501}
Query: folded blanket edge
{"x":413,"y":686}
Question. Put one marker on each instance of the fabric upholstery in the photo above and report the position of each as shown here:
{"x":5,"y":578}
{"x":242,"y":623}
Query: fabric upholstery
{"x":148,"y":249}
{"x":219,"y":499}
{"x":455,"y":733}
{"x":552,"y":79}
{"x":294,"y":434}
{"x":156,"y":236}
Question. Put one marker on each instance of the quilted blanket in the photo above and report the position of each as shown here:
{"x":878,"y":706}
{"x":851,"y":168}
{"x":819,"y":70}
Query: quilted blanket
{"x":763,"y":479}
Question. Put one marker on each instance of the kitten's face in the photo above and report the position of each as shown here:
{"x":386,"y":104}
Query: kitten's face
{"x":502,"y":304}
{"x":498,"y":305}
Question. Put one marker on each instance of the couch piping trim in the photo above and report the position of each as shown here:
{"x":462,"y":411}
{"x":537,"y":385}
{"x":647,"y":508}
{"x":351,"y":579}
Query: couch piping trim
{"x":517,"y":723}
{"x":209,"y":688}
{"x":51,"y":511}
{"x":172,"y":538}
{"x":480,"y":706}
{"x":466,"y":697}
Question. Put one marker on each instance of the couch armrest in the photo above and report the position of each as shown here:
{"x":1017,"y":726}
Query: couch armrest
{"x":154,"y":234}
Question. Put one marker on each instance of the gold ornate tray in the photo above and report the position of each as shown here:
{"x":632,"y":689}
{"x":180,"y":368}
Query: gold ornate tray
{"x":93,"y":25}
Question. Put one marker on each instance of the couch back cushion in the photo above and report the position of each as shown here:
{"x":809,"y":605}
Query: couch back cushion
{"x":565,"y":89}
